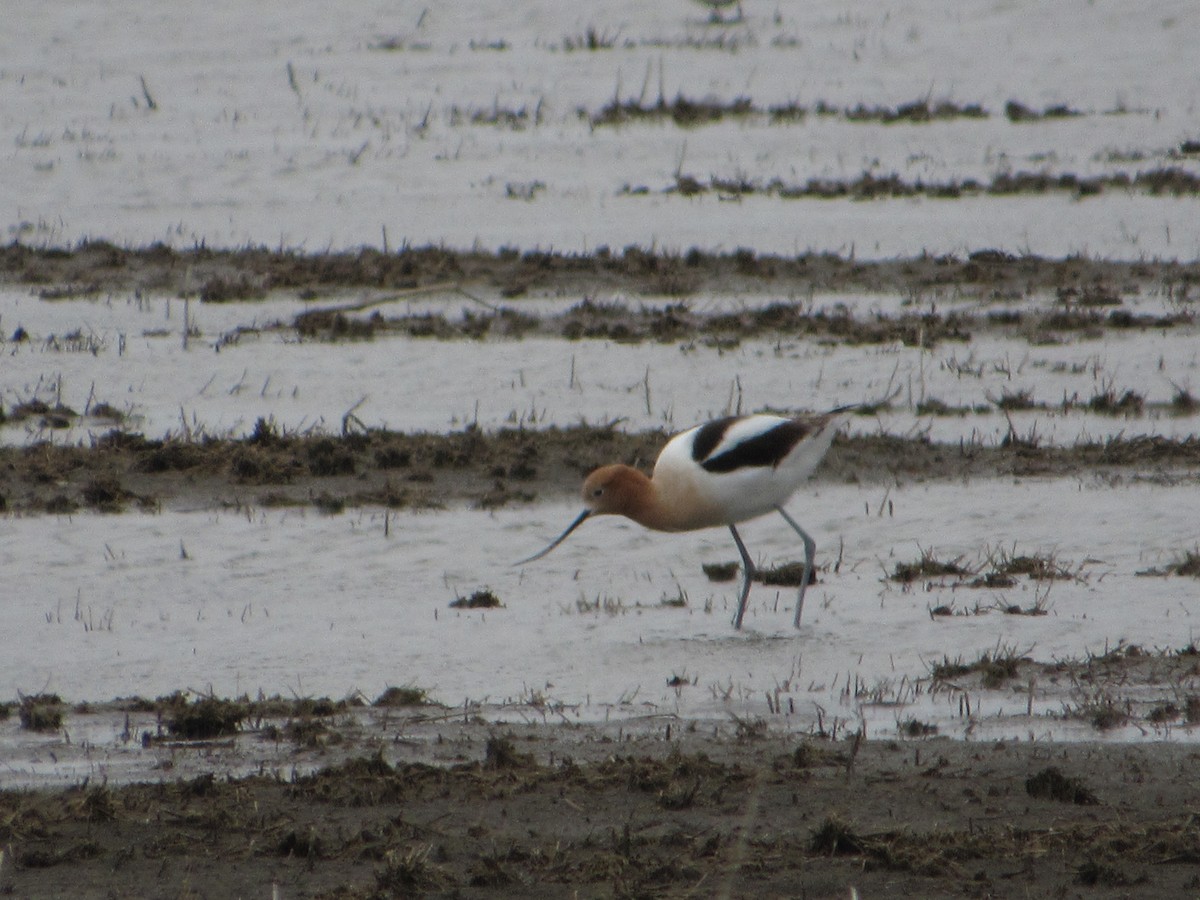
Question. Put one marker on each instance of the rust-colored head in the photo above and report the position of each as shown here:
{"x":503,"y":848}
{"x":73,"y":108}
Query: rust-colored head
{"x":614,"y":490}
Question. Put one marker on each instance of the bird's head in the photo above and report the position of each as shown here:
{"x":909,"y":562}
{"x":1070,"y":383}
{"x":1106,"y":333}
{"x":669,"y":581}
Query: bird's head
{"x":609,"y":490}
{"x":612,"y":490}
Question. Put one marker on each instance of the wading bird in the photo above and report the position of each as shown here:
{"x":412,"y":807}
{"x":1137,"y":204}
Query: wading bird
{"x":721,"y":473}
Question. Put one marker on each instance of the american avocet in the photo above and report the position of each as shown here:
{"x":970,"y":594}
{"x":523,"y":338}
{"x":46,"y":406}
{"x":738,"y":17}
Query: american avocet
{"x":721,"y":473}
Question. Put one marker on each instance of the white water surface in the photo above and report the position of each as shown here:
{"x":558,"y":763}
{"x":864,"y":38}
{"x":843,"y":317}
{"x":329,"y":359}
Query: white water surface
{"x":306,"y":126}
{"x":294,"y":602}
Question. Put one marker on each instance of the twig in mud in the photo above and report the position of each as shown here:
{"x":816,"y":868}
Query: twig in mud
{"x":292,"y":83}
{"x":150,"y":104}
{"x":859,"y":736}
{"x":679,"y":162}
{"x":350,"y":418}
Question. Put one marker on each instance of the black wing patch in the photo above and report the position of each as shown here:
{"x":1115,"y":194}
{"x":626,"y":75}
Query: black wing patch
{"x":766,"y":449}
{"x":709,"y":435}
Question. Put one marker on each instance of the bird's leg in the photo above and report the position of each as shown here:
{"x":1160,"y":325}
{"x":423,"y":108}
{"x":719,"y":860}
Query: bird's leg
{"x":748,"y":571}
{"x":810,"y":551}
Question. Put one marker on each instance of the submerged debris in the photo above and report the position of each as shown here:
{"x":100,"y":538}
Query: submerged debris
{"x":408,"y":695}
{"x":726,"y":571}
{"x":785,"y":575}
{"x":480,"y":599}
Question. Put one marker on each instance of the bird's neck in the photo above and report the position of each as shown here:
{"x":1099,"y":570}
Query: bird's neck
{"x":641,"y":500}
{"x":660,"y":504}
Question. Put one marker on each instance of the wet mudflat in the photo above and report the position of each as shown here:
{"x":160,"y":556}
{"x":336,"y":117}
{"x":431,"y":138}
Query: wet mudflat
{"x":232,"y":474}
{"x":337,"y":800}
{"x":557,"y":811}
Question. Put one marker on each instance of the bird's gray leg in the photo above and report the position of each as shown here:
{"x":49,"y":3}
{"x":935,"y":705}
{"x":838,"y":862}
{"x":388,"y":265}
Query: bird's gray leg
{"x":748,"y":571}
{"x":810,"y":551}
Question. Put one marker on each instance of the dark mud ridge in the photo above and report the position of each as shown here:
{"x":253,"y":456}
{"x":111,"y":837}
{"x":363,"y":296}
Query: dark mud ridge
{"x":221,"y":275}
{"x":122,"y":471}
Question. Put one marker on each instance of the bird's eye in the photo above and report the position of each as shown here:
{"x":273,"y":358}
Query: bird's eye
{"x":598,"y":492}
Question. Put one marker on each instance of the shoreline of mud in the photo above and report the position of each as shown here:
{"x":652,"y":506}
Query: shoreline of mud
{"x":122,"y":471}
{"x":472,"y":809}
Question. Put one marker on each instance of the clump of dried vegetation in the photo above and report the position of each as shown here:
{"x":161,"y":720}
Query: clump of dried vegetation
{"x":480,"y":599}
{"x":41,"y":712}
{"x":994,"y":668}
{"x":926,"y":567}
{"x":1186,"y":564}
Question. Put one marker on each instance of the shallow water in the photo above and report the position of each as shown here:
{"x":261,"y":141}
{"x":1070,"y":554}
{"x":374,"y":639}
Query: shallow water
{"x":127,"y":360}
{"x":297,"y":603}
